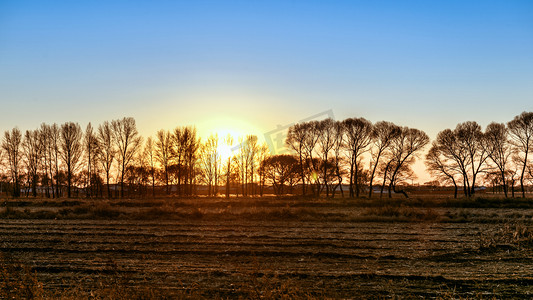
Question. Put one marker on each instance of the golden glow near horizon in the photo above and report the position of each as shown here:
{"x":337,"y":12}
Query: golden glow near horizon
{"x":223,"y":127}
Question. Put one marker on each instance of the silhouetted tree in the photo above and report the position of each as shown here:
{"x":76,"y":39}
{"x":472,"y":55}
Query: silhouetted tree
{"x":263,"y":153}
{"x":471,"y":139}
{"x":280,"y":170}
{"x":312,"y":163}
{"x":251,"y":149}
{"x":209,"y":159}
{"x":441,"y":166}
{"x":11,"y":143}
{"x":127,"y":142}
{"x":404,"y":149}
{"x":191,"y":143}
{"x":521,"y":133}
{"x":149,"y":153}
{"x":164,"y":153}
{"x":326,"y":142}
{"x":296,"y":138}
{"x":180,"y":139}
{"x":55,"y":142}
{"x":32,"y":149}
{"x":71,"y":150}
{"x":499,"y":150}
{"x":358,"y":137}
{"x":91,"y":148}
{"x":338,"y":147}
{"x":228,"y":140}
{"x":383,"y":134}
{"x":107,"y":152}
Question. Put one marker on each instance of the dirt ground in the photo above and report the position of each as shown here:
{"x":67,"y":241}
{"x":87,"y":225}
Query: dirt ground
{"x":320,"y":257}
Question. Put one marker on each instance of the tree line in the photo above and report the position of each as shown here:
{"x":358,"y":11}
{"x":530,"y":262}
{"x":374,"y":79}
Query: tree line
{"x":326,"y":157}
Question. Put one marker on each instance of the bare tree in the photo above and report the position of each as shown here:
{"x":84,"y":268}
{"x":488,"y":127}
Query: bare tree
{"x":228,"y":140}
{"x":107,"y":152}
{"x":326,"y":142}
{"x":296,"y":138}
{"x":209,"y":158}
{"x":127,"y":142}
{"x":263,"y":153}
{"x":404,"y":149}
{"x":71,"y":150}
{"x":338,"y":146}
{"x":312,"y":164}
{"x":55,"y":142}
{"x":281,"y":170}
{"x":440,"y":165}
{"x":358,"y":137}
{"x":471,"y":139}
{"x":179,"y":148}
{"x":521,"y":133}
{"x":251,"y":149}
{"x":11,"y":143}
{"x":383,"y":134}
{"x":164,"y":153}
{"x":499,"y":149}
{"x":91,"y":147}
{"x":191,"y":144}
{"x":149,"y":153}
{"x":46,"y":144}
{"x":32,"y":149}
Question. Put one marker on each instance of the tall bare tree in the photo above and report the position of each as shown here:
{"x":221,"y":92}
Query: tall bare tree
{"x":229,"y":141}
{"x":55,"y":145}
{"x":338,"y":147}
{"x":499,"y":150}
{"x":127,"y":141}
{"x":149,"y":153}
{"x":326,"y":142}
{"x":71,"y":150}
{"x":209,"y":159}
{"x":164,"y":153}
{"x":251,"y":148}
{"x":471,"y":142}
{"x":383,"y":134}
{"x":11,"y":143}
{"x":296,"y":138}
{"x":91,"y":148}
{"x":404,"y":150}
{"x":442,"y":166}
{"x":191,"y":143}
{"x":32,"y":149}
{"x":46,"y":144}
{"x":312,"y":164}
{"x":521,"y":133}
{"x":263,"y":153}
{"x":358,"y":137}
{"x":107,"y":153}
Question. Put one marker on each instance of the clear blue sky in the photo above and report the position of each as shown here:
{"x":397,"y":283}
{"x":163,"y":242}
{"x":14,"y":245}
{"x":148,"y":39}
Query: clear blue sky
{"x":426,"y":64}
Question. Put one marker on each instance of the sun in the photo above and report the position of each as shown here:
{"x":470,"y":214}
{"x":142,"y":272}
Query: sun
{"x":229,"y":131}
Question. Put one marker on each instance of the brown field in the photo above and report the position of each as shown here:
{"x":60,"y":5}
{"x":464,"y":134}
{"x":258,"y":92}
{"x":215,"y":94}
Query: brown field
{"x":267,"y":248}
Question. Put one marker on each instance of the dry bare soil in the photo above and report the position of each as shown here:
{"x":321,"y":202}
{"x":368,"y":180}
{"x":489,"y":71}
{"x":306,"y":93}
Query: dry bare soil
{"x":270,"y":248}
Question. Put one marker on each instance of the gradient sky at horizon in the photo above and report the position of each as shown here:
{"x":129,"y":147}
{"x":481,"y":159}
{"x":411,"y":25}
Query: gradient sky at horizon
{"x":251,"y":66}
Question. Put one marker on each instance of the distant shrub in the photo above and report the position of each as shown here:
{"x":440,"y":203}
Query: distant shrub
{"x":103,"y":210}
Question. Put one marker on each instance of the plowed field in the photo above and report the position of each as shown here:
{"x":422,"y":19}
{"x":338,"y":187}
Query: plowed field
{"x":318,"y":257}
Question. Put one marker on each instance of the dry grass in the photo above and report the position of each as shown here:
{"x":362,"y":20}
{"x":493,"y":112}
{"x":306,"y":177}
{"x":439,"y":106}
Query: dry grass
{"x":403,"y":213}
{"x":421,"y":209}
{"x":510,"y":236}
{"x":19,"y":282}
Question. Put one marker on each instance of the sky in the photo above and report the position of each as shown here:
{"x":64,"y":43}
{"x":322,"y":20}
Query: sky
{"x":251,"y":66}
